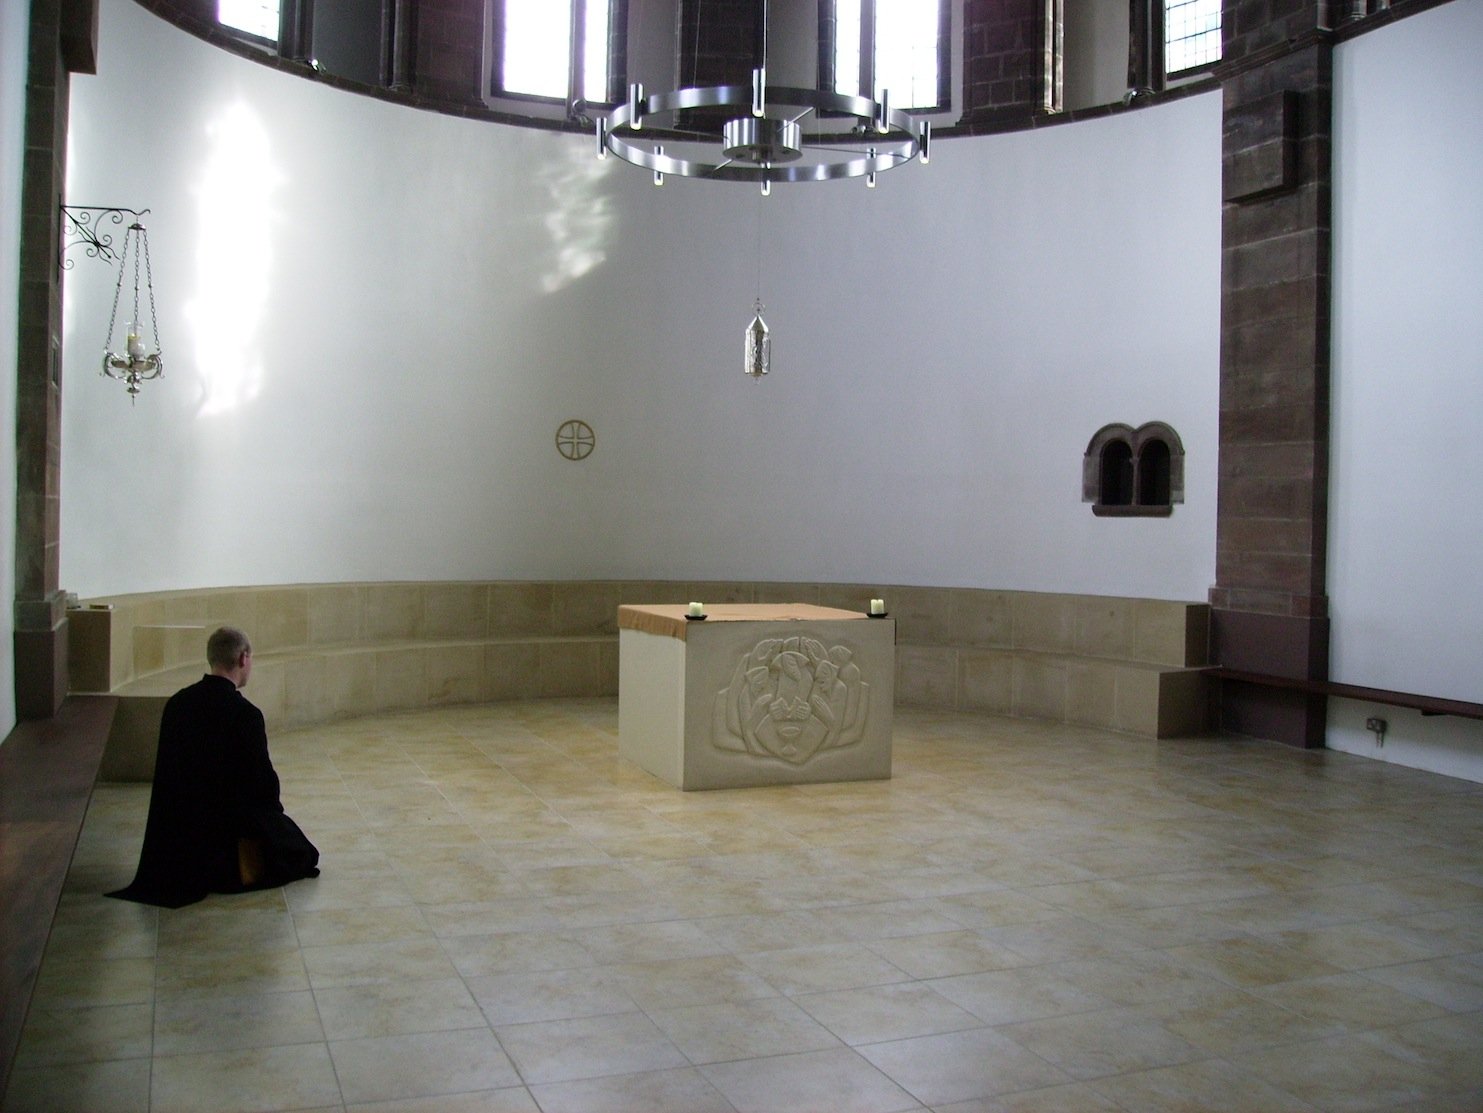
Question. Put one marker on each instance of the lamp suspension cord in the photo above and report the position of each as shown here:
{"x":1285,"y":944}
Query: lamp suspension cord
{"x":759,"y":246}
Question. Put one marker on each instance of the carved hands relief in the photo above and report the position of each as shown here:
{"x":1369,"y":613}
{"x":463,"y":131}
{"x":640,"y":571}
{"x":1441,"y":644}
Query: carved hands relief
{"x":790,"y":699}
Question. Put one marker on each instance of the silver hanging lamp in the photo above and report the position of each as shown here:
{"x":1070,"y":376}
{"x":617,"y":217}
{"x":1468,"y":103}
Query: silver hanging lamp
{"x":140,"y":359}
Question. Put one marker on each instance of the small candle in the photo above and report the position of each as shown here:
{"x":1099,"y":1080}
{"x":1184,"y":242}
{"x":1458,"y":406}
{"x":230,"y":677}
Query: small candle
{"x":135,"y":345}
{"x":877,"y":606}
{"x":696,"y":610}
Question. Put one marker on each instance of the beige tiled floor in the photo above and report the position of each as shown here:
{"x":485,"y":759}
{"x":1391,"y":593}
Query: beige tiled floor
{"x":1026,"y":919}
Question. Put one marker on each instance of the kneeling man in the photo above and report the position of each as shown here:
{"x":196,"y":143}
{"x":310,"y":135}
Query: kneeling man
{"x":216,"y":824}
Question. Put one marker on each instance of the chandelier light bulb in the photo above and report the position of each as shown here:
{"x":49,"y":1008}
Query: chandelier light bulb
{"x":635,"y":106}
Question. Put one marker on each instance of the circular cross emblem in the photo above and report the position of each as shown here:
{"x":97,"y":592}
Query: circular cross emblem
{"x":575,"y":440}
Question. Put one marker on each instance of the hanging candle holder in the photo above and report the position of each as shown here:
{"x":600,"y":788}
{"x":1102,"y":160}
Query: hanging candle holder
{"x":140,"y":358}
{"x":759,"y":344}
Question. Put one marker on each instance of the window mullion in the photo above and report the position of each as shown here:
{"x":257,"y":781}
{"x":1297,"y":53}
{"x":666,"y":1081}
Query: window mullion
{"x":576,"y":67}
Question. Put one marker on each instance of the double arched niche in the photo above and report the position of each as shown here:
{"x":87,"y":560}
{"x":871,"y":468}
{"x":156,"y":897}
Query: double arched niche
{"x":1129,"y":472}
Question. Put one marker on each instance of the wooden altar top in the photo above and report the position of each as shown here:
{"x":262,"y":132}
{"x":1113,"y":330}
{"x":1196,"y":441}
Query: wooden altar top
{"x":668,"y":619}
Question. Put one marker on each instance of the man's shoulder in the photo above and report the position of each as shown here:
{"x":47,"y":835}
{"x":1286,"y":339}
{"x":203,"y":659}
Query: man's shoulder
{"x":214,"y":691}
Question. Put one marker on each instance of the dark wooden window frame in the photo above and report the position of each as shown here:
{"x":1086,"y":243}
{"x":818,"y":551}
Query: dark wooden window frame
{"x":617,"y":57}
{"x":829,"y":34}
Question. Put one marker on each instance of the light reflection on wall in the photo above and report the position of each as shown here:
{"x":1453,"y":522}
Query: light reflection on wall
{"x":580,"y":215}
{"x":233,"y":258}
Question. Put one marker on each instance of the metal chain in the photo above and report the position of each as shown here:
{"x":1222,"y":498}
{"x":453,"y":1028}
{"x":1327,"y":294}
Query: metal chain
{"x":117,"y":290}
{"x":154,"y":324}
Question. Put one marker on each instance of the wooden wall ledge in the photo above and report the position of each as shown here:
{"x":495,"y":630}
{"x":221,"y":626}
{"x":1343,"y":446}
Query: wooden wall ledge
{"x":47,"y":771}
{"x":1427,"y":705}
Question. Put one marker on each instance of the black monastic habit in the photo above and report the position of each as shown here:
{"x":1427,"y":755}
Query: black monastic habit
{"x":214,"y":786}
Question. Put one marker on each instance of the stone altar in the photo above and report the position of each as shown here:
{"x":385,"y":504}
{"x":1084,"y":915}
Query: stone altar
{"x":755,"y":694}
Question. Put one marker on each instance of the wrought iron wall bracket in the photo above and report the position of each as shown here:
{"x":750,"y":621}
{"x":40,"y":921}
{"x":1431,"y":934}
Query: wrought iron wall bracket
{"x":82,"y":225}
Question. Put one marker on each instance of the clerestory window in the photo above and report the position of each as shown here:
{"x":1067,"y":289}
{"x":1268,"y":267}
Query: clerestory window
{"x":258,"y":18}
{"x":564,"y":50}
{"x":894,"y":46}
{"x":1191,"y":34}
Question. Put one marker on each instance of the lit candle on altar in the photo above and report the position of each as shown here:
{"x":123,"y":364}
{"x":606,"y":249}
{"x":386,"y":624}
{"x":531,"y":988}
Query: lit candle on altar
{"x":696,"y":610}
{"x":877,"y":606}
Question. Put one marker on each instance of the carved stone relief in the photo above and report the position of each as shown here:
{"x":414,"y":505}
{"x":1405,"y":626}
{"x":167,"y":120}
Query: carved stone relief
{"x":790,"y":699}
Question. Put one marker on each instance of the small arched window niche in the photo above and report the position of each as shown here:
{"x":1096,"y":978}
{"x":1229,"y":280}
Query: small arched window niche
{"x":1130,"y":473}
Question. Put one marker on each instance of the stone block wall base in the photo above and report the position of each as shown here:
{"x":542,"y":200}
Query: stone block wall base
{"x":40,"y":671}
{"x":1294,"y":647}
{"x":1276,"y":714}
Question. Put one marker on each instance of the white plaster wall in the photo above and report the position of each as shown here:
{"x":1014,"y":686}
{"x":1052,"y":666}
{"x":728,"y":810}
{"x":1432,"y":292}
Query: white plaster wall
{"x":372,"y":344}
{"x":1406,"y":522}
{"x":14,"y":37}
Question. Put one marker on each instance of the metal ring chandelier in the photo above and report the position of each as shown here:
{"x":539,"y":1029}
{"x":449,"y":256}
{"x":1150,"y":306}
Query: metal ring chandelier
{"x":765,"y":141}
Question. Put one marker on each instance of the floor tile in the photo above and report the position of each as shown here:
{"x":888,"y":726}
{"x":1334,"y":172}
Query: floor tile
{"x":942,"y":954}
{"x":743,"y":1030}
{"x":420,"y":959}
{"x":115,"y":1086}
{"x":1249,"y":962}
{"x":1347,"y":1074}
{"x":888,"y":1012}
{"x":1108,"y":1041}
{"x":960,"y":1066}
{"x":589,"y":1047}
{"x":523,"y":998}
{"x":341,"y":926}
{"x":1022,"y":993}
{"x":1071,"y":1098}
{"x":679,"y":982}
{"x":1206,"y":1086}
{"x":673,"y":1091}
{"x":95,"y":982}
{"x":421,"y":1065}
{"x":1455,"y":984}
{"x":825,"y":967}
{"x":830,"y":1081}
{"x":396,"y":1008}
{"x":1354,"y":1001}
{"x":262,"y":1078}
{"x":242,"y":973}
{"x":228,"y":1023}
{"x":85,"y":1035}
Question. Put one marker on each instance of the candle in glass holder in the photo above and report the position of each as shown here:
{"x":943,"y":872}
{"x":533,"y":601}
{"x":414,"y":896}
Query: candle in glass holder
{"x":877,"y":606}
{"x":696,"y":610}
{"x":134,"y":345}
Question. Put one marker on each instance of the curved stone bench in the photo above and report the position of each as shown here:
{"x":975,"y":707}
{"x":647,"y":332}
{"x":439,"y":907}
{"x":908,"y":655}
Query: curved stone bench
{"x":328,"y":651}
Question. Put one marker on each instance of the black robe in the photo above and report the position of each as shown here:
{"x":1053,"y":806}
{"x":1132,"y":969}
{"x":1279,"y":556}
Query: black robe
{"x":214,"y":786}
